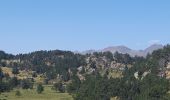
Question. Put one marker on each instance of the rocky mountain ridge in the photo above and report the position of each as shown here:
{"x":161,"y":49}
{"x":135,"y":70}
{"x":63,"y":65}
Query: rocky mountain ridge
{"x":123,"y":49}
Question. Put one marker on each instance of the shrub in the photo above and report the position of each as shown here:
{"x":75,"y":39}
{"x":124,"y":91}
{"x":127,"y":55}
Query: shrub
{"x":40,"y":88}
{"x":18,"y":93}
{"x":59,"y":87}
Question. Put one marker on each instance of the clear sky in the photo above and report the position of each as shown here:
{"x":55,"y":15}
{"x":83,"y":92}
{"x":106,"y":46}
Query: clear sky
{"x":29,"y":25}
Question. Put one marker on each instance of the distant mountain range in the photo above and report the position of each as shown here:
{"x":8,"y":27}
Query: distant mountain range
{"x":124,"y":50}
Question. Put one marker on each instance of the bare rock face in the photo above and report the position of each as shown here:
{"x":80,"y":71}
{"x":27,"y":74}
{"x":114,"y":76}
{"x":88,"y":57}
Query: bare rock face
{"x":168,"y":66}
{"x":168,"y":71}
{"x":115,"y":65}
{"x":101,"y":64}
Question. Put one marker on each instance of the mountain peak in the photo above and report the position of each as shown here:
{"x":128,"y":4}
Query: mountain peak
{"x":123,"y":49}
{"x":113,"y":49}
{"x":153,"y":47}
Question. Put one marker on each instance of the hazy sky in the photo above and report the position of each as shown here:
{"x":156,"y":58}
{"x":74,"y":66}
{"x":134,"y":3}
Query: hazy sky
{"x":29,"y":25}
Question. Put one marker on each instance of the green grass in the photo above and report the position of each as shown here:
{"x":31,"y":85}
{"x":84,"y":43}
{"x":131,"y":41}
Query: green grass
{"x":48,"y":94}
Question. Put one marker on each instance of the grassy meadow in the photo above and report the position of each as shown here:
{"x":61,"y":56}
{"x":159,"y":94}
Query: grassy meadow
{"x":48,"y":94}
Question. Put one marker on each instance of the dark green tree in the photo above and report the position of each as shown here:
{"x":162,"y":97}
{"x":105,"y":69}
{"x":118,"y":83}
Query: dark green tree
{"x":40,"y":88}
{"x":74,"y":86}
{"x":59,"y":87}
{"x":1,"y":74}
{"x":15,"y":71}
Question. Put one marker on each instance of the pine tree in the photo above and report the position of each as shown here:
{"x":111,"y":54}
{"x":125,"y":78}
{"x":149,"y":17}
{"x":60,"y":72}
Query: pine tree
{"x":40,"y":88}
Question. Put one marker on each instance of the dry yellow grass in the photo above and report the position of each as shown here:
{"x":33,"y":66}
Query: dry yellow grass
{"x":23,"y":74}
{"x":114,"y":98}
{"x":7,"y":70}
{"x":115,"y":74}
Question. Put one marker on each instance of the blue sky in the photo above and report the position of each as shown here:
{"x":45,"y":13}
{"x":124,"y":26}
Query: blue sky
{"x":29,"y":25}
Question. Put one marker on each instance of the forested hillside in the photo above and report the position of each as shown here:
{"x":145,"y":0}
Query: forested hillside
{"x":97,"y":76}
{"x":146,"y":80}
